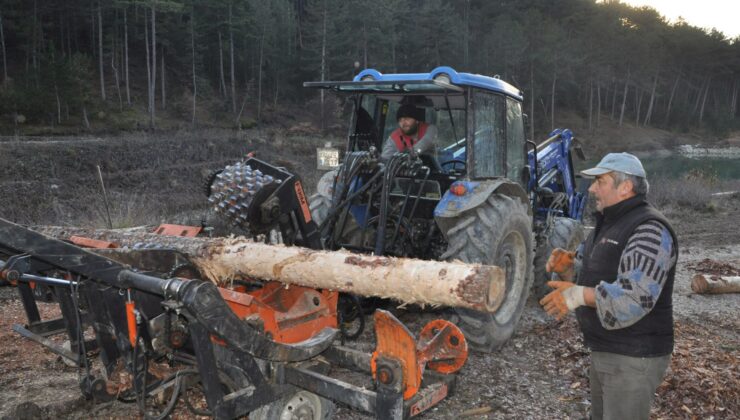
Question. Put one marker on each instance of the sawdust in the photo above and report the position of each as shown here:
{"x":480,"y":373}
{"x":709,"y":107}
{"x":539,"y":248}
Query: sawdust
{"x":704,"y":378}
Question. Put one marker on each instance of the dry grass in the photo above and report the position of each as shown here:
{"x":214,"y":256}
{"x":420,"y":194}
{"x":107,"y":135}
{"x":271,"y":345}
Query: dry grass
{"x":150,"y":177}
{"x":694,"y":191}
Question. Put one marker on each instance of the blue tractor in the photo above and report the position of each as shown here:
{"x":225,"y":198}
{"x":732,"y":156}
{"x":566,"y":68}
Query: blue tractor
{"x":479,"y":197}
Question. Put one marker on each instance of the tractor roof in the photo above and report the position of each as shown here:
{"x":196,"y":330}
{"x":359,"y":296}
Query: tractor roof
{"x":440,"y":80}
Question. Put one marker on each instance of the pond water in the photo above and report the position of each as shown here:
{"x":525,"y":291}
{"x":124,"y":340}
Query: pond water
{"x":676,"y":166}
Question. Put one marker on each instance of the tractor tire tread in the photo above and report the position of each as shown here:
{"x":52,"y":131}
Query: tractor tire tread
{"x":476,"y":239}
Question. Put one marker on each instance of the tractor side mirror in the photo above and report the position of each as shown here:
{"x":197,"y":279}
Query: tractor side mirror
{"x":526,"y":175}
{"x":579,"y":150}
{"x":536,"y":164}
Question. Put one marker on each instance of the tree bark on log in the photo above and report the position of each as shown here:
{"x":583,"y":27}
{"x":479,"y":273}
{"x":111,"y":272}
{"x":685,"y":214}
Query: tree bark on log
{"x":715,"y":284}
{"x":222,"y":260}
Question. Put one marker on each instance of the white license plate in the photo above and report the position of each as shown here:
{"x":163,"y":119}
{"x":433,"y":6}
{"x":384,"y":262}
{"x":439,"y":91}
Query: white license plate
{"x":327,"y":158}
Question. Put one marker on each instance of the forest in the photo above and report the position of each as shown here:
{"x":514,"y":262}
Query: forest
{"x":135,"y":63}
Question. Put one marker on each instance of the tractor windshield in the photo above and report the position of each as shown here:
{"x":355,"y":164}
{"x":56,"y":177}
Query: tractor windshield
{"x":450,"y":124}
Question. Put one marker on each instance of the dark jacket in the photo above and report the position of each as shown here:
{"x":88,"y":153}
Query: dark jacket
{"x":652,"y":335}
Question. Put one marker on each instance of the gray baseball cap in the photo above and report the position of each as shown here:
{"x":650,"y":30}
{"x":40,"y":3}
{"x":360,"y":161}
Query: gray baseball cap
{"x":620,"y":162}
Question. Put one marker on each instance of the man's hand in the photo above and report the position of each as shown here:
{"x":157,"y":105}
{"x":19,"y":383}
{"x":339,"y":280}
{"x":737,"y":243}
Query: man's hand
{"x":561,"y":263}
{"x":565,"y":298}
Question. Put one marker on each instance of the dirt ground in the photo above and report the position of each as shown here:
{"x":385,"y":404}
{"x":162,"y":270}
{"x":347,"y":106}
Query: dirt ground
{"x":540,"y":373}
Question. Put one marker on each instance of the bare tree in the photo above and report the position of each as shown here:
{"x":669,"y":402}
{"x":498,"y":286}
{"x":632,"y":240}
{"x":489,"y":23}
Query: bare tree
{"x":222,"y":78}
{"x":323,"y":64}
{"x":552,"y":98}
{"x":231,"y":54}
{"x":2,"y":43}
{"x":148,"y":67}
{"x":670,"y":99}
{"x":466,"y":34}
{"x":125,"y":56}
{"x":614,"y":98}
{"x":531,"y":100}
{"x":598,"y":102}
{"x":164,"y":92}
{"x":704,"y":101}
{"x":59,"y":103}
{"x":699,"y":96}
{"x":85,"y":120}
{"x":153,"y":81}
{"x":624,"y":97}
{"x":192,"y":49}
{"x":638,"y":104}
{"x":259,"y":74}
{"x":649,"y":112}
{"x":34,"y":36}
{"x":590,"y":105}
{"x":100,"y":51}
{"x":115,"y":74}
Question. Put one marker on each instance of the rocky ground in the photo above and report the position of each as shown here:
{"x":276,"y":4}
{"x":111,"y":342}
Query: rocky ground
{"x":540,"y":373}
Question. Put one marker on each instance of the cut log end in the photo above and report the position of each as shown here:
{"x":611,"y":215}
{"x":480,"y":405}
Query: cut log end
{"x":704,"y":284}
{"x":699,"y":284}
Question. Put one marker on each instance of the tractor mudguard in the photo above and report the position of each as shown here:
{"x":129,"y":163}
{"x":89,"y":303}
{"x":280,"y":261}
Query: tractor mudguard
{"x":476,"y":192}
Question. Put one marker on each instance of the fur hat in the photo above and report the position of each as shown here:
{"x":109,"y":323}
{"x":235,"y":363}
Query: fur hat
{"x":410,"y":111}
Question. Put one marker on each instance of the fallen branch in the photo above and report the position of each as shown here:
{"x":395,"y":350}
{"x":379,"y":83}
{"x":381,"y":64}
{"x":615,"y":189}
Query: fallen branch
{"x":476,"y":411}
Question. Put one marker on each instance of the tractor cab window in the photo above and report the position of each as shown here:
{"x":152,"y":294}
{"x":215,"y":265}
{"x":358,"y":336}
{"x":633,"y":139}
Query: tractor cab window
{"x":450,"y":138}
{"x":450,"y":124}
{"x":515,"y":146}
{"x":365,"y":132}
{"x":489,"y":135}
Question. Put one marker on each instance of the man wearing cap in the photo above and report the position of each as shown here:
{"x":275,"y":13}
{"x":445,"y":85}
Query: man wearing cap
{"x":412,"y":132}
{"x":623,"y":275}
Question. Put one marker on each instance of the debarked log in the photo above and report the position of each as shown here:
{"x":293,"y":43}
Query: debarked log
{"x":702,"y":283}
{"x":221,"y":260}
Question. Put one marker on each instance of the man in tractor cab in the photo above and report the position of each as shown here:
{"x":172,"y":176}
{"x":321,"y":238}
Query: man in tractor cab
{"x":623,"y":276}
{"x":412,"y":132}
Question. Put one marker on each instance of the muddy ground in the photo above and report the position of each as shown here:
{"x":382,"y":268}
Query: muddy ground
{"x":540,"y":373}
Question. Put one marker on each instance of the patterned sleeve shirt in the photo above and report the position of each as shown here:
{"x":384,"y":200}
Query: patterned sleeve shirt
{"x":643,"y":270}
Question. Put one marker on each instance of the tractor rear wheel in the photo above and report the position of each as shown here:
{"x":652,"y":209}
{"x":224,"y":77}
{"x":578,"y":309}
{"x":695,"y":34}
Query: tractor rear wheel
{"x":563,"y":233}
{"x":320,"y":207}
{"x":498,"y":232}
{"x":300,"y":405}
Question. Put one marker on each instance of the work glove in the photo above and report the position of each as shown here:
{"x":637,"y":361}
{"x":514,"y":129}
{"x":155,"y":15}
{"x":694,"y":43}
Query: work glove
{"x":561,"y":262}
{"x":565,"y":298}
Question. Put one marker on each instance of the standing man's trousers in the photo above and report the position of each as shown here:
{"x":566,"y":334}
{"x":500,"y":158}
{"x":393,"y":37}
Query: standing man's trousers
{"x":622,"y":387}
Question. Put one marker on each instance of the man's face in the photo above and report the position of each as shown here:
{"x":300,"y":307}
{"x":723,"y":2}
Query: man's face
{"x":408,"y":125}
{"x":606,"y":193}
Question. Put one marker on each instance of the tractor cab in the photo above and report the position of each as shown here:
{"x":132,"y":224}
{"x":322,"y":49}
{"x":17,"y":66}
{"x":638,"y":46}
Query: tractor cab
{"x":392,"y":200}
{"x":480,"y":131}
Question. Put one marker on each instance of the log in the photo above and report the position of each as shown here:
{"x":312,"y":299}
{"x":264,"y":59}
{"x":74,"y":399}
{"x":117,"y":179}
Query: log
{"x":222,"y":260}
{"x":705,"y":284}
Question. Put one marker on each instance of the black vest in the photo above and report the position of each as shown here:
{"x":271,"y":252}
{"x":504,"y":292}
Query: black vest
{"x":652,"y":335}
